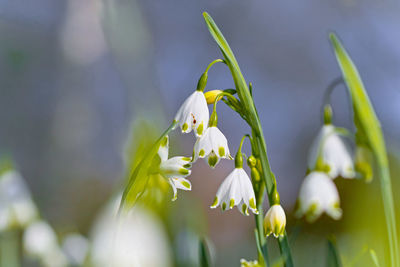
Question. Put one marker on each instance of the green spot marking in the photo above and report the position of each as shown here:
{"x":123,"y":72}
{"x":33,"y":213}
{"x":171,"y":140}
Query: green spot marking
{"x":215,"y":202}
{"x":223,"y":206}
{"x":244,"y":209}
{"x":186,"y":159}
{"x":164,"y":141}
{"x":252,"y":203}
{"x":221,"y":151}
{"x":212,"y":160}
{"x":231,"y":203}
{"x":185,"y":126}
{"x":185,"y":184}
{"x":183,"y":171}
{"x":202,"y":153}
{"x":200,"y":129}
{"x":187,"y":166}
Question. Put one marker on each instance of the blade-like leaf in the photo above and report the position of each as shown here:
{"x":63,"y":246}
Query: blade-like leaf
{"x":204,"y":254}
{"x":333,"y":259}
{"x":139,"y":177}
{"x":370,"y":133}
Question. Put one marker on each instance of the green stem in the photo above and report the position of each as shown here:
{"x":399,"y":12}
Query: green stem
{"x":259,"y":218}
{"x":389,"y":209}
{"x":9,"y":249}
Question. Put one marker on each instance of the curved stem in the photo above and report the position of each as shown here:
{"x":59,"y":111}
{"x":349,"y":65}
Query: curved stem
{"x":213,"y":62}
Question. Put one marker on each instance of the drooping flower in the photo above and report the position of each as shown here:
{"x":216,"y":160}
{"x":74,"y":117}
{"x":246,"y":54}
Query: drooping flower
{"x":40,"y":241}
{"x":318,"y":194}
{"x":193,"y":114}
{"x":331,"y":154}
{"x":174,"y":169}
{"x":245,"y":263}
{"x":212,"y":145}
{"x":236,"y":190}
{"x":16,"y":205}
{"x":275,"y":221}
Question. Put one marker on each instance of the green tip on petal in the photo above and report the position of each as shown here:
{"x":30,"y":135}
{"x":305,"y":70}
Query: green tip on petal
{"x":252,"y":203}
{"x":164,"y":142}
{"x":223,"y":206}
{"x":187,"y":166}
{"x":231,"y":203}
{"x":183,"y":171}
{"x":245,"y":210}
{"x":185,"y":184}
{"x":214,"y":204}
{"x":212,"y":160}
{"x":200,"y":129}
{"x":185,"y":126}
{"x":202,"y":153}
{"x":186,"y":159}
{"x":221,"y":151}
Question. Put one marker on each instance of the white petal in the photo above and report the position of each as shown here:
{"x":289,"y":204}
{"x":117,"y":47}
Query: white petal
{"x":193,"y":113}
{"x":163,"y":149}
{"x":176,"y":167}
{"x":202,"y":146}
{"x":334,"y":152}
{"x":182,"y":183}
{"x":247,"y":191}
{"x":171,"y":182}
{"x":223,"y":190}
{"x":317,"y":190}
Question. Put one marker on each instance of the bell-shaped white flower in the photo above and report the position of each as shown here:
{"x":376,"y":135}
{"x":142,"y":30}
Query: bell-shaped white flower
{"x":275,"y":221}
{"x":174,"y":169}
{"x":318,"y":194}
{"x":16,"y":205}
{"x":40,"y":241}
{"x":236,"y":189}
{"x":193,"y":114}
{"x":331,"y":154}
{"x":212,"y":145}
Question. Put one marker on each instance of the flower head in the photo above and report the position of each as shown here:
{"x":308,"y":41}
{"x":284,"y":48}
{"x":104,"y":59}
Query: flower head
{"x":16,"y":205}
{"x":236,"y":190}
{"x":275,"y":221}
{"x":213,"y":145}
{"x":245,"y":263}
{"x":193,"y":114}
{"x":330,"y":153}
{"x":318,"y":194}
{"x":174,"y":169}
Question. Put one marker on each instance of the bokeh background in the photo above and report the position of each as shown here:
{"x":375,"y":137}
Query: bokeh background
{"x":75,"y":76}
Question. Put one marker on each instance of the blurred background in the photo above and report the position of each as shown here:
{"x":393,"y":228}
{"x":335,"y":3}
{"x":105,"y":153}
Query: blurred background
{"x":77,"y":76}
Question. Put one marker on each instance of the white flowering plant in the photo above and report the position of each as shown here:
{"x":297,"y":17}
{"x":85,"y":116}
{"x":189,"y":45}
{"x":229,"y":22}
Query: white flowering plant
{"x":330,"y":156}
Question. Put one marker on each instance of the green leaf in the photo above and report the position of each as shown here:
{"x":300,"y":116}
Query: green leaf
{"x":333,"y":259}
{"x":240,"y":83}
{"x":204,"y":254}
{"x":365,"y":119}
{"x":369,"y":133}
{"x":139,"y":177}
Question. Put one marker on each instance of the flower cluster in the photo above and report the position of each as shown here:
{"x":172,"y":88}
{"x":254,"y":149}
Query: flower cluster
{"x":211,"y":145}
{"x":330,"y":157}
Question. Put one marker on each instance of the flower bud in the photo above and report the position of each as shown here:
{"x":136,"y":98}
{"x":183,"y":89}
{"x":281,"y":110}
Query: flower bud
{"x":275,"y":221}
{"x":211,"y":96}
{"x":251,"y":161}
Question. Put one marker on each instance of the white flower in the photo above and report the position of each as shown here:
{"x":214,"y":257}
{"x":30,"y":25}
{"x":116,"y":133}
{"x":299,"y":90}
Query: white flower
{"x":275,"y":221}
{"x":75,"y":247}
{"x":318,"y":194}
{"x":245,"y":263}
{"x":236,"y":190}
{"x":330,"y":150}
{"x":134,"y":239}
{"x":16,"y":205}
{"x":193,"y":114}
{"x":40,"y":241}
{"x":174,"y":169}
{"x":213,"y":145}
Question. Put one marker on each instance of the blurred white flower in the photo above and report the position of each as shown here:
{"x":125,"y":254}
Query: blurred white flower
{"x":174,"y":169}
{"x":213,"y":145}
{"x":134,"y":239}
{"x":330,"y":151}
{"x":318,"y":194}
{"x":193,"y":114}
{"x":275,"y":221}
{"x":16,"y":206}
{"x":236,"y":190}
{"x":40,"y":242}
{"x":245,"y":263}
{"x":75,"y":247}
